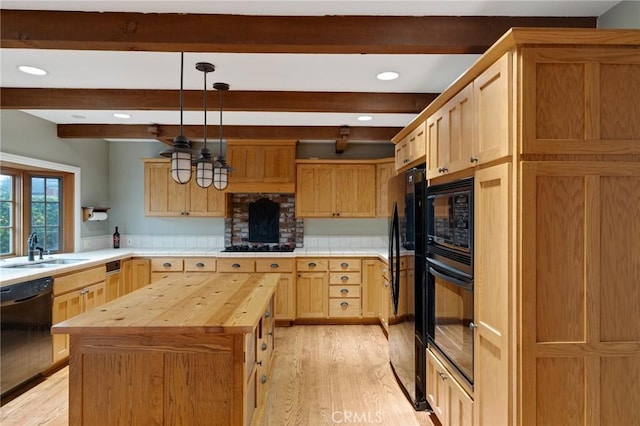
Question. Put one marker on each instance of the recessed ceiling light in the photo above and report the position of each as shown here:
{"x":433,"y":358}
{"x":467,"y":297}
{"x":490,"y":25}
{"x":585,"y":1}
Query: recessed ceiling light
{"x":121,"y":115}
{"x":28,"y":69}
{"x":388,"y":75}
{"x":79,"y":117}
{"x":365,"y":118}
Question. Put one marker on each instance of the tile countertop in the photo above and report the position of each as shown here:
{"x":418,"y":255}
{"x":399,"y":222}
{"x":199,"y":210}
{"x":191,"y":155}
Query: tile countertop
{"x":86,"y":259}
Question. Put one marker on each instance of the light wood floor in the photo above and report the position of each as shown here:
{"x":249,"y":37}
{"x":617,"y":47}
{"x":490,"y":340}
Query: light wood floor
{"x":322,"y":375}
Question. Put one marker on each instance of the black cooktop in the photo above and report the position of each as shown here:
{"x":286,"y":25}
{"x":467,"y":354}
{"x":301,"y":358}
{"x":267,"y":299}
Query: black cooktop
{"x":259,"y":247}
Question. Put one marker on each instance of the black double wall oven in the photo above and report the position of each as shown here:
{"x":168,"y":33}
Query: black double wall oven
{"x":449,"y":263}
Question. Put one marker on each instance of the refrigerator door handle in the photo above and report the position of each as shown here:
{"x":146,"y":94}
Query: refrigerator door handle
{"x":394,"y":260}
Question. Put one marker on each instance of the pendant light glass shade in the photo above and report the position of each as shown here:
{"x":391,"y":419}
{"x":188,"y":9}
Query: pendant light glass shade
{"x":221,"y":171}
{"x":204,"y":163}
{"x":180,"y":152}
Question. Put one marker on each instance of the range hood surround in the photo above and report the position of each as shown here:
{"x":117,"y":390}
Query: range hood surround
{"x":236,"y":226}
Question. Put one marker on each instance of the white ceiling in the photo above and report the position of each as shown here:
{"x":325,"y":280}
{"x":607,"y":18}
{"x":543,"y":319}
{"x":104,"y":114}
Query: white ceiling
{"x":286,"y":72}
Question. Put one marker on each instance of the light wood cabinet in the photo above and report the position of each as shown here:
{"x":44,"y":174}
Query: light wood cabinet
{"x":162,"y":267}
{"x":371,"y":284}
{"x":285,"y":297}
{"x":384,"y":172}
{"x":262,"y":166}
{"x":451,"y":404}
{"x":136,"y":273}
{"x":74,"y":294}
{"x":577,"y":103}
{"x":493,"y":294}
{"x":164,"y":197}
{"x":493,"y":112}
{"x":450,"y":135}
{"x":113,"y":286}
{"x":384,"y":296}
{"x":344,"y":288}
{"x":411,"y":150}
{"x":312,"y":288}
{"x":336,"y":190}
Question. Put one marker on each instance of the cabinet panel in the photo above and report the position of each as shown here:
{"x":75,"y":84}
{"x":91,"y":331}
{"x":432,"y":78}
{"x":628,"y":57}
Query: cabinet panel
{"x":384,"y":171}
{"x":346,"y":264}
{"x":199,"y":264}
{"x":581,"y":100}
{"x":236,"y":265}
{"x":136,"y":273}
{"x":207,"y":202}
{"x":371,"y":288}
{"x":314,"y":191}
{"x":344,"y":278}
{"x":309,"y":265}
{"x":262,"y":166}
{"x":166,"y":264}
{"x":492,"y":97}
{"x":285,"y":302}
{"x":274,"y":265}
{"x":492,"y":295}
{"x":344,"y":291}
{"x":344,"y":308}
{"x":355,"y":194}
{"x":312,"y":295}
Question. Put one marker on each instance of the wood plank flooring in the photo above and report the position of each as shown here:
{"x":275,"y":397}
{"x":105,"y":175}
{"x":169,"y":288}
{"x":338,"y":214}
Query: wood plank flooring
{"x":321,"y":375}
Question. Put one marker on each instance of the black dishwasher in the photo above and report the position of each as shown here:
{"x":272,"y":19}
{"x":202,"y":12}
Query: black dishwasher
{"x":25,"y":339}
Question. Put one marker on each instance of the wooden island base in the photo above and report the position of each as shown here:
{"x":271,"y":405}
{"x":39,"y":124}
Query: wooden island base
{"x":188,"y":350}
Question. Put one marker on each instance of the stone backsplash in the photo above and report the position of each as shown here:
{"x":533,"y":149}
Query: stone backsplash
{"x":236,"y":226}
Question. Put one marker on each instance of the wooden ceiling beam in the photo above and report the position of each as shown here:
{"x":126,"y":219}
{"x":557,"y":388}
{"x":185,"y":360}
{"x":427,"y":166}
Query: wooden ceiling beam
{"x":166,"y":133}
{"x":157,"y":100}
{"x":172,"y":32}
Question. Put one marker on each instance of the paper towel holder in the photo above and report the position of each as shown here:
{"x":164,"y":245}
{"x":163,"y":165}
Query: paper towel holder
{"x":88,"y":211}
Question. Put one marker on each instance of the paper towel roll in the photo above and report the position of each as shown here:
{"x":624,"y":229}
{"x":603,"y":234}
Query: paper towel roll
{"x":98,"y":216}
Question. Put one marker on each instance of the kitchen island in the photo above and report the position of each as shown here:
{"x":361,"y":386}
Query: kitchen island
{"x":188,"y":349}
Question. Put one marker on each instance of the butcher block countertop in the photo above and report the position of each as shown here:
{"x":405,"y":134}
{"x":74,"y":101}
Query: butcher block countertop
{"x":190,"y":303}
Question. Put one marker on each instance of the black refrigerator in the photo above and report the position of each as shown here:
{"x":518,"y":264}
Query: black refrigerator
{"x":407,"y":312}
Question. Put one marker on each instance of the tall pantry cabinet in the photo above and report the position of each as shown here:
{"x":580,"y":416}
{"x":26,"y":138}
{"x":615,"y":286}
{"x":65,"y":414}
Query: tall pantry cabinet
{"x":556,"y":161}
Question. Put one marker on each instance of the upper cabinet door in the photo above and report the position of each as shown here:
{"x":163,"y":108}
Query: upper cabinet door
{"x":314,"y":190}
{"x":163,"y":197}
{"x":492,"y":97}
{"x":355,"y":190}
{"x":581,"y":101}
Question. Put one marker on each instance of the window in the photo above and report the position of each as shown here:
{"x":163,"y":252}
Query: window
{"x":7,"y":214}
{"x":46,"y":207}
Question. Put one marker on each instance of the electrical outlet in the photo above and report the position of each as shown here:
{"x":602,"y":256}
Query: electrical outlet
{"x":87,"y":244}
{"x":129,"y":241}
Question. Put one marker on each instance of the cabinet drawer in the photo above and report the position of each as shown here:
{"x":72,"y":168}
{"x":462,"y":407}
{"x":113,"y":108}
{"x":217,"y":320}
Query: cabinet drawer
{"x":308,"y":265}
{"x":202,"y":264}
{"x":166,"y":264}
{"x":345,"y":278}
{"x":344,"y":265}
{"x":344,"y":291}
{"x":344,"y":308}
{"x":236,"y":265}
{"x":274,"y":265}
{"x":75,"y":280}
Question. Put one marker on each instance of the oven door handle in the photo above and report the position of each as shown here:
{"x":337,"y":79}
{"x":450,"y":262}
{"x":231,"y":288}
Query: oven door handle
{"x":460,"y":283}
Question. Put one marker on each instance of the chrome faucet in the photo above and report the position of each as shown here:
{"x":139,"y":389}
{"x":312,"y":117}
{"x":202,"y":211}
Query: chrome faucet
{"x":32,"y":241}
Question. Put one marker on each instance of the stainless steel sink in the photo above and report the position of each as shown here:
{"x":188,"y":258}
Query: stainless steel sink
{"x":63,"y":261}
{"x":44,"y":263}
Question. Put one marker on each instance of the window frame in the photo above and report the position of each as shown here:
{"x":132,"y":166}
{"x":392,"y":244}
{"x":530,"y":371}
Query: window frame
{"x":16,"y":211}
{"x":24,"y":168}
{"x":29,"y":205}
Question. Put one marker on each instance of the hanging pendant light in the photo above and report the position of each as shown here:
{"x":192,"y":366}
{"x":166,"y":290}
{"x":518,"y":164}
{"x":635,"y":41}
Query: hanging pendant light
{"x":180,"y":152}
{"x":221,"y":170}
{"x":204,"y":163}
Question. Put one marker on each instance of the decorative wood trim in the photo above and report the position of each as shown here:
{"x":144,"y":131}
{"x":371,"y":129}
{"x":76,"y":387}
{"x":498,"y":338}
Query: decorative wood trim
{"x":264,"y":34}
{"x":166,"y":100}
{"x":167,"y":133}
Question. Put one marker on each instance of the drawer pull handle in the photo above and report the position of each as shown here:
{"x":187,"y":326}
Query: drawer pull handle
{"x":473,"y":159}
{"x":311,"y":265}
{"x":442,"y":376}
{"x":263,"y":379}
{"x":344,"y":291}
{"x":275,"y":265}
{"x":264,"y":346}
{"x":472,"y":325}
{"x":344,"y":278}
{"x":235,"y":265}
{"x":200,"y":265}
{"x":166,"y":265}
{"x":344,"y":264}
{"x":344,"y":304}
{"x":260,"y":363}
{"x":267,"y":314}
